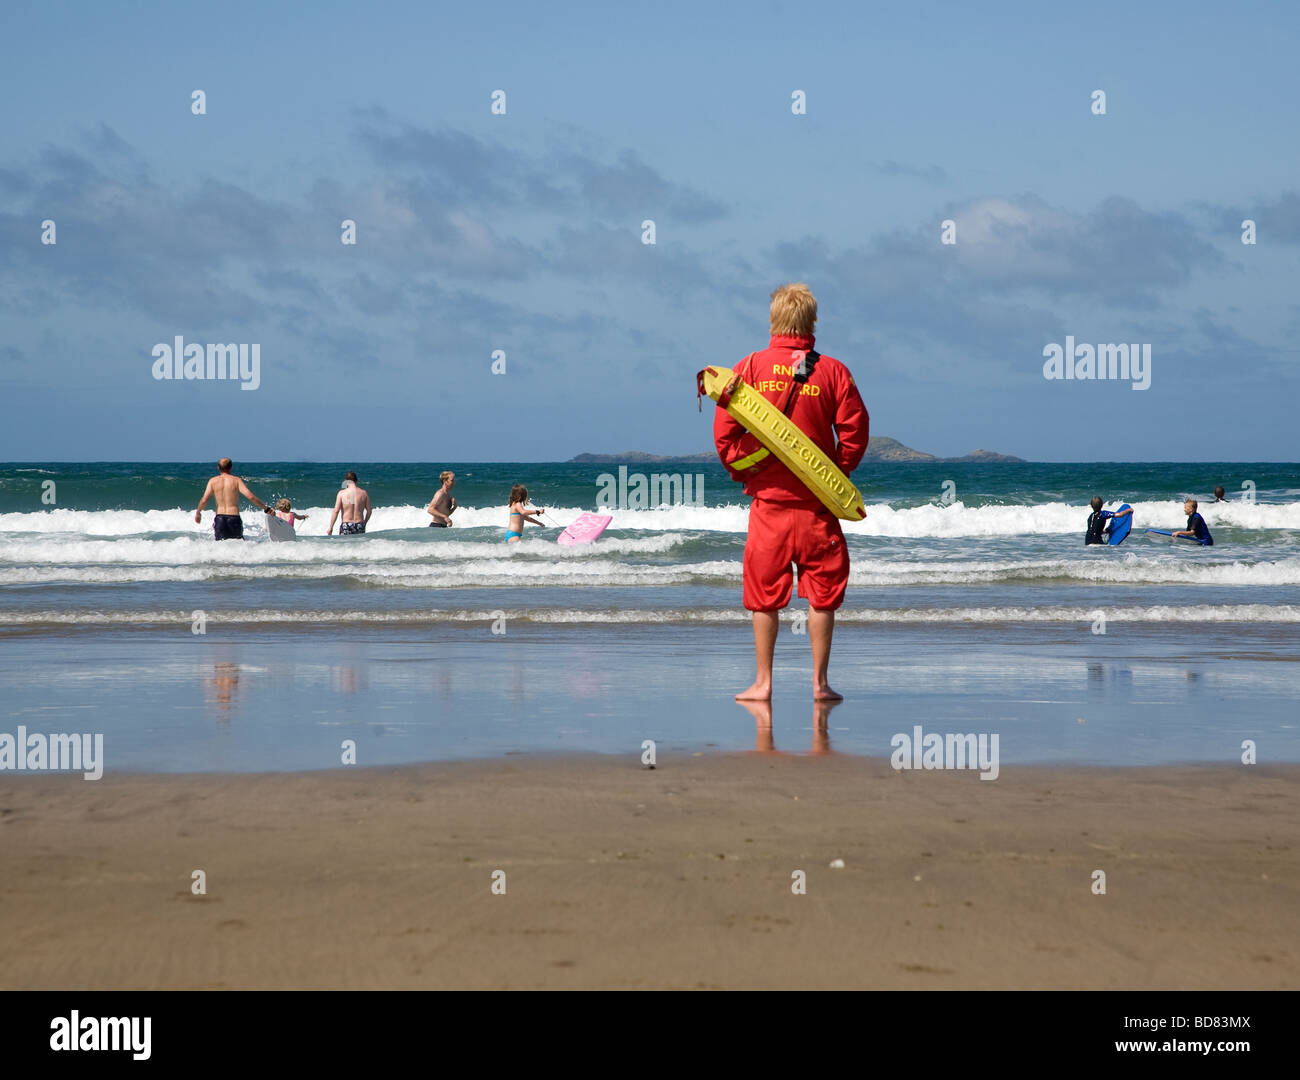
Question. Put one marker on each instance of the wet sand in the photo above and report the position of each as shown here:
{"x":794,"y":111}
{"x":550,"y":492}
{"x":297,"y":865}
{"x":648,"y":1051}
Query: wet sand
{"x":284,"y":701}
{"x":618,"y":876}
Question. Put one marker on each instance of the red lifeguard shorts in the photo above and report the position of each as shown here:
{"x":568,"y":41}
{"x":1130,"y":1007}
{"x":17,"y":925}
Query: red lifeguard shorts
{"x":781,"y":537}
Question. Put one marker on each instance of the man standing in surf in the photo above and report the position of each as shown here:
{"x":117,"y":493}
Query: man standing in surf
{"x":225,"y":488}
{"x":789,"y":527}
{"x":353,"y":502}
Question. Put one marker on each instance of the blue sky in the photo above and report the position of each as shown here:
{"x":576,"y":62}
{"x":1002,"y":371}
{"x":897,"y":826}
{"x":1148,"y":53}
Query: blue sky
{"x":522,"y":232}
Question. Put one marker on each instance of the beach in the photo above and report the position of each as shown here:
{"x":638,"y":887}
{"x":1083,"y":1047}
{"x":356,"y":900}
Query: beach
{"x":420,"y":415}
{"x":622,"y":877}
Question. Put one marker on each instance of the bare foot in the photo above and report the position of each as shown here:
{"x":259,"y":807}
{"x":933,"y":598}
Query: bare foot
{"x":758,"y":692}
{"x":825,"y":693}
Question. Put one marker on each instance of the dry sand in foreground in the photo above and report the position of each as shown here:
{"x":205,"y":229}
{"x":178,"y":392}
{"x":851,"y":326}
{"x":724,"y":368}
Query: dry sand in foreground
{"x":678,"y":877}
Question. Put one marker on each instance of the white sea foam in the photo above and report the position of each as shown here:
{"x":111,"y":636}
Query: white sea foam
{"x":487,"y":573}
{"x":930,"y":520}
{"x":672,"y":546}
{"x":513,"y":570}
{"x":1223,"y":613}
{"x":72,"y":549}
{"x":1162,"y":569}
{"x":959,"y":520}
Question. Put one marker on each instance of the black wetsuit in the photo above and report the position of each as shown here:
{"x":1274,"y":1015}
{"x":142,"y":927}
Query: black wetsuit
{"x":1196,"y":524}
{"x":1097,"y":527}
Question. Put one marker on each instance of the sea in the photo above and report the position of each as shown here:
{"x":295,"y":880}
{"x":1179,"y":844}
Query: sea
{"x":973,"y":606}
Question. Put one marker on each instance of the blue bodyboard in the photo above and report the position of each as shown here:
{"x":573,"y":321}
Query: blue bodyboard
{"x":1166,"y":532}
{"x":1119,"y":527}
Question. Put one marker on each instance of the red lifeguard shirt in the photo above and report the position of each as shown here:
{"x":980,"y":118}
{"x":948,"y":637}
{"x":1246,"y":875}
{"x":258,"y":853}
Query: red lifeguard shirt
{"x":828,"y":409}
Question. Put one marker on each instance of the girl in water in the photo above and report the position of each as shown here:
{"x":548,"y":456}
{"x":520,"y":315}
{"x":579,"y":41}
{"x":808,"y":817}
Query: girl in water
{"x":284,"y":511}
{"x":519,"y":514}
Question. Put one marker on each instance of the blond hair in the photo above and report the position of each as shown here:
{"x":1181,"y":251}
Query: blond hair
{"x":794,"y":309}
{"x":284,"y":504}
{"x":443,"y":477}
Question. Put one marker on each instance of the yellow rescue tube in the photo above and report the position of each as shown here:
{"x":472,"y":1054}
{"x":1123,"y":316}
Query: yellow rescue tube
{"x":803,"y":457}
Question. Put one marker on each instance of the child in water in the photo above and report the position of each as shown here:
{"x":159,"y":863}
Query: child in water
{"x":284,"y":511}
{"x":518,"y":504}
{"x":1196,"y":527}
{"x":1097,"y":521}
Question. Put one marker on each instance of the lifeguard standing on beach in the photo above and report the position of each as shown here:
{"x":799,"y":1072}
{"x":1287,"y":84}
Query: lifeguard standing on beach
{"x":788,"y":525}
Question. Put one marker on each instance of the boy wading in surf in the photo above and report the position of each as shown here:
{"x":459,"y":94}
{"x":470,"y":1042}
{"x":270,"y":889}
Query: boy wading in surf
{"x":443,"y":503}
{"x":1097,"y":522}
{"x":789,"y":527}
{"x":1196,"y":527}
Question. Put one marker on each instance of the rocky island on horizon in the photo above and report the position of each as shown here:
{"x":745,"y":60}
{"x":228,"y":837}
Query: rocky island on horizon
{"x":880,"y":448}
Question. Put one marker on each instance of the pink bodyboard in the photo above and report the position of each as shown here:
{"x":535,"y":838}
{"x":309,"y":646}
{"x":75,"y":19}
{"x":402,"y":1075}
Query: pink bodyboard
{"x":585,"y":529}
